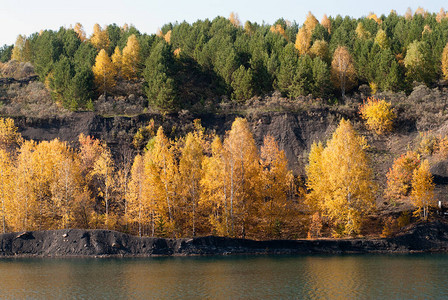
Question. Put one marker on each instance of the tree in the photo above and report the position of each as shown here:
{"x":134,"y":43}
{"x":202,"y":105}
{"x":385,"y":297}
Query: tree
{"x":320,"y":49}
{"x":382,"y":39}
{"x":361,"y":32}
{"x":340,"y":180}
{"x":422,"y":195}
{"x":134,"y":197}
{"x":242,"y":84}
{"x":242,"y":171}
{"x":326,"y":23}
{"x":104,"y":72}
{"x":131,"y":58}
{"x":21,"y":50}
{"x":399,"y":177}
{"x":277,"y":186}
{"x":10,"y":138}
{"x":103,"y":169}
{"x":100,"y":38}
{"x":117,"y":60}
{"x":378,"y":115}
{"x":6,"y":185}
{"x":418,"y":62}
{"x":190,"y":172}
{"x":445,"y":62}
{"x":234,"y":19}
{"x":79,"y":29}
{"x":303,"y":39}
{"x":343,"y":73}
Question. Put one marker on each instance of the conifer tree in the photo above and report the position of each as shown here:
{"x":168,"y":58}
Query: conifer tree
{"x":104,"y":72}
{"x":131,"y":58}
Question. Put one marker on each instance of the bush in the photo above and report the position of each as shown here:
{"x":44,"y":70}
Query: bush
{"x":378,"y":115}
{"x":399,"y":177}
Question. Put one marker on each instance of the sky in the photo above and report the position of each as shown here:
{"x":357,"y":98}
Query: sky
{"x":29,"y":16}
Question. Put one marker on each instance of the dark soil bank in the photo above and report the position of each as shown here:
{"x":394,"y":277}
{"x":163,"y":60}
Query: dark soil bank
{"x":429,"y":237}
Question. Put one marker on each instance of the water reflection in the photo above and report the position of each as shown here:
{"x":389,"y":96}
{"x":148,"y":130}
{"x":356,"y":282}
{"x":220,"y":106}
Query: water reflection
{"x":243,"y":277}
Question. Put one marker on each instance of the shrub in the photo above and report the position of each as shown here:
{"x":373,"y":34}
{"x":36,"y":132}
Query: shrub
{"x":378,"y":115}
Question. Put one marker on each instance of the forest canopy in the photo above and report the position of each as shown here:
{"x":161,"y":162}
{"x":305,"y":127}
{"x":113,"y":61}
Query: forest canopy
{"x":184,"y":65}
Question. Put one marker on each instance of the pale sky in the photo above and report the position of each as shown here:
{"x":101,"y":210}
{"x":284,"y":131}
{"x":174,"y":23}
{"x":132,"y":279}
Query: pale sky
{"x":29,"y":16}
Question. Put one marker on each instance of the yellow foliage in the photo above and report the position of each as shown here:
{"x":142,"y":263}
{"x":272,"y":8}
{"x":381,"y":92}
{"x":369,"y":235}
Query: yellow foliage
{"x":326,"y":23}
{"x":426,"y":30}
{"x":441,"y":15}
{"x":373,"y":16}
{"x":361,"y":32}
{"x":100,"y":38}
{"x":117,"y":60}
{"x":343,"y":73}
{"x":422,"y":195}
{"x":177,"y":52}
{"x":131,"y":58}
{"x":280,"y":30}
{"x":378,"y":115}
{"x":10,"y":138}
{"x":233,"y":18}
{"x":104,"y":72}
{"x":340,"y":180}
{"x":79,"y":29}
{"x":303,"y":38}
{"x":399,"y":177}
{"x":167,"y":37}
{"x":382,"y":39}
{"x":319,"y":49}
{"x":445,"y":62}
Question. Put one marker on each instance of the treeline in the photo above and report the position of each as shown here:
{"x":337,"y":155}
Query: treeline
{"x":190,"y":65}
{"x":201,"y":184}
{"x":196,"y":185}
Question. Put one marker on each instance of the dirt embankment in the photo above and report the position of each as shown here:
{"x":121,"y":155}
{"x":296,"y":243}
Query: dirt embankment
{"x":426,"y":237}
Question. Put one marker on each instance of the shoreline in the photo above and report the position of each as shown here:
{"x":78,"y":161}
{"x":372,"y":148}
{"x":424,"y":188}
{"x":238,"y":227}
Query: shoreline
{"x":431,"y":237}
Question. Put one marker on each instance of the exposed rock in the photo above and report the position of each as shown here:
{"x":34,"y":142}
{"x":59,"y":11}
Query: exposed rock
{"x":424,"y":237}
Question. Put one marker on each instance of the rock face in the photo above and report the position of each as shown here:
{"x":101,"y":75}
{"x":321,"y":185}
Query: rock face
{"x":428,"y":237}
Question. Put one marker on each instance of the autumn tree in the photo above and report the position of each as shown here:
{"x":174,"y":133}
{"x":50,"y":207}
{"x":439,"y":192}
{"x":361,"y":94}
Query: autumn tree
{"x":303,"y":39}
{"x":103,"y":170}
{"x":134,"y":197}
{"x":100,"y":38}
{"x":10,"y":138}
{"x":445,"y":62}
{"x":378,"y":115}
{"x":277,"y":188}
{"x":344,"y":191}
{"x":131,"y":58}
{"x":343,"y":73}
{"x":418,"y":62}
{"x":6,"y":185}
{"x":422,"y":195}
{"x":117,"y":61}
{"x":190,"y":172}
{"x":234,"y":19}
{"x":399,"y":177}
{"x":21,"y":50}
{"x":381,"y":39}
{"x":326,"y":23}
{"x":79,"y":29}
{"x":242,"y":171}
{"x":104,"y":72}
{"x":161,"y":172}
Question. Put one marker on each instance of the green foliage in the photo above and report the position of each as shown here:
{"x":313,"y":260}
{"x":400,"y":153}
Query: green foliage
{"x":242,"y":82}
{"x":5,"y":53}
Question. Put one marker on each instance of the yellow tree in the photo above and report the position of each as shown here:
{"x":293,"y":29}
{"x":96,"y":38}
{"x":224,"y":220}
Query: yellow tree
{"x":100,"y":38}
{"x":23,"y":202}
{"x":445,"y":62}
{"x":190,"y":172}
{"x":161,"y":172}
{"x":422,"y":195}
{"x":319,"y":49}
{"x":10,"y":138}
{"x":79,"y":29}
{"x":18,"y":52}
{"x":117,"y":60}
{"x":131,"y":58}
{"x":343,"y":73}
{"x":361,"y":32}
{"x":303,"y":39}
{"x":6,"y":187}
{"x":277,"y":186}
{"x":103,"y":169}
{"x":243,"y":172}
{"x":346,"y":190}
{"x":134,"y":196}
{"x":326,"y":23}
{"x":214,"y":201}
{"x":234,"y":19}
{"x":104,"y":72}
{"x":381,"y":39}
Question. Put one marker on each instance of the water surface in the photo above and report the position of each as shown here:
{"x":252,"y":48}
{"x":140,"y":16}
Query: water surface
{"x":234,"y":277}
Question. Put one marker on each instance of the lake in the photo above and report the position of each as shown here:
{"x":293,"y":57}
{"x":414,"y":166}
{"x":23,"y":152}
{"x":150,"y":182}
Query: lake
{"x":230,"y":277}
